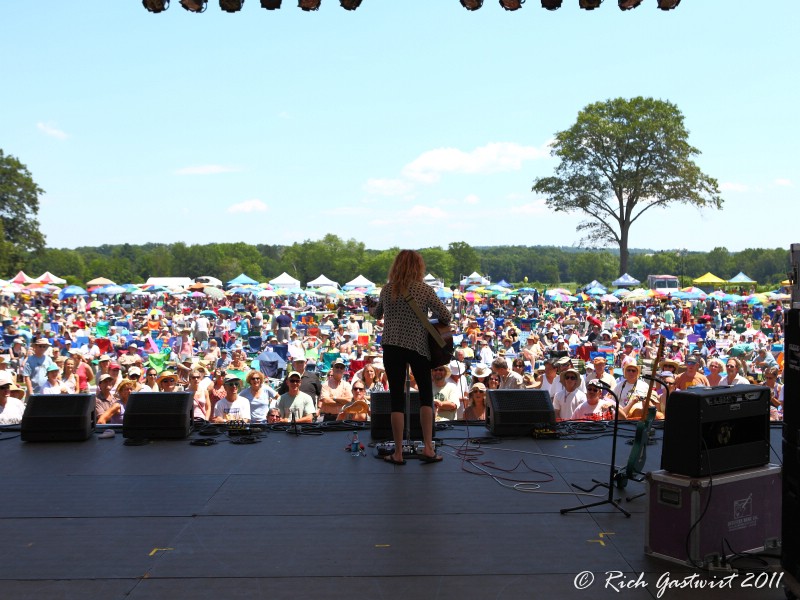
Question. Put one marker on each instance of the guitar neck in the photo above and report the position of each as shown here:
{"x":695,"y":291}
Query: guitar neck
{"x":656,"y":362}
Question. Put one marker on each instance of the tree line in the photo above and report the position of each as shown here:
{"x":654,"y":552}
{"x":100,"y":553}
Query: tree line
{"x":342,"y":260}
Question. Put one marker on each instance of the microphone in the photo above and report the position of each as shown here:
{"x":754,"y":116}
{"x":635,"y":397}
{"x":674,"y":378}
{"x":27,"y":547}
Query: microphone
{"x":294,"y":423}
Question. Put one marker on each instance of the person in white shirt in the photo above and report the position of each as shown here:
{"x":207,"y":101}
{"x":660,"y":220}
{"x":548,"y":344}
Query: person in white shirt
{"x":594,"y":407}
{"x":570,"y":397}
{"x":232,"y":407}
{"x":11,"y":409}
{"x":629,"y":385}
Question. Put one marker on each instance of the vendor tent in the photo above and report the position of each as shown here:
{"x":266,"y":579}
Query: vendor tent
{"x":359,"y":282}
{"x":626,"y":281}
{"x":22,"y":279}
{"x":284,"y":280}
{"x":100,"y":281}
{"x":474,"y":279}
{"x":741,"y":278}
{"x":242,"y":279}
{"x":208,"y":280}
{"x":48,"y":277}
{"x":708,"y":279}
{"x":322,"y":281}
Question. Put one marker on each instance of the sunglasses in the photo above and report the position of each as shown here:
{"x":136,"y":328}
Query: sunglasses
{"x":570,"y":377}
{"x":358,"y":389}
{"x":233,"y":384}
{"x":297,"y":381}
{"x":631,"y":371}
{"x":257,"y":379}
{"x":166,"y":381}
{"x":338,"y":366}
{"x":197,"y":376}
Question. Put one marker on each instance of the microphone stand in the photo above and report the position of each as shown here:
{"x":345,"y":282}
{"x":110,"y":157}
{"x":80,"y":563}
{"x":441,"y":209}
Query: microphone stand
{"x":612,"y":472}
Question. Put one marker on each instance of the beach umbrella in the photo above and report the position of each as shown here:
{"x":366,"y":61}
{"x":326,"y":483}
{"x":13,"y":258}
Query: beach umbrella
{"x":609,"y":298}
{"x":621,"y":293}
{"x":100,"y":281}
{"x":95,"y":304}
{"x":242,"y":290}
{"x":266,"y":294}
{"x":197,"y":295}
{"x":595,"y":291}
{"x":226,"y":310}
{"x":111,"y":290}
{"x":754,"y":300}
{"x":156,"y":312}
{"x":213,"y":292}
{"x":72,"y":290}
{"x":444,"y":293}
{"x":208,"y":313}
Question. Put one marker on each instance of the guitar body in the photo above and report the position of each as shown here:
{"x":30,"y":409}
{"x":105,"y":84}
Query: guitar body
{"x":441,"y":354}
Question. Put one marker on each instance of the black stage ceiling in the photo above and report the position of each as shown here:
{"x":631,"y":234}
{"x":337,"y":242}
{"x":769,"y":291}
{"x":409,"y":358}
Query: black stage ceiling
{"x":299,"y":517}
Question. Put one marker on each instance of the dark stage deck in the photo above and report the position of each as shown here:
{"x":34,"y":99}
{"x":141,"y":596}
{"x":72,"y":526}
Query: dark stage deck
{"x":298,"y":517}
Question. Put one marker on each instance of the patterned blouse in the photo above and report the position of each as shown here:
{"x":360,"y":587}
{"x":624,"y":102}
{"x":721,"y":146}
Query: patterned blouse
{"x":401,"y":327}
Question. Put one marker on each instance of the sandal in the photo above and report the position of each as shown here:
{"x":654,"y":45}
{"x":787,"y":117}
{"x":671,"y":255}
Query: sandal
{"x":426,"y":460}
{"x":390,"y":459}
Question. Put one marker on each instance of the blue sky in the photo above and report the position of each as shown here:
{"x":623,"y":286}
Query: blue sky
{"x":409,"y":123}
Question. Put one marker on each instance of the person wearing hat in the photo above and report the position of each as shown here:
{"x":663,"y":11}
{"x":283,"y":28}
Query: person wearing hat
{"x":53,"y":384}
{"x":309,"y":381}
{"x":629,"y":385}
{"x":336,"y":392}
{"x":103,"y":397}
{"x":595,"y":407}
{"x":233,"y":407}
{"x":598,"y":371}
{"x":446,"y":396}
{"x":295,"y":405}
{"x":691,"y":377}
{"x":131,"y":356}
{"x":115,"y":370}
{"x":35,"y":369}
{"x":4,"y":367}
{"x":11,"y":409}
{"x":480,"y":372}
{"x":476,"y":403}
{"x":134,"y":374}
{"x":483,"y":353}
{"x":569,"y":397}
{"x":167,"y":381}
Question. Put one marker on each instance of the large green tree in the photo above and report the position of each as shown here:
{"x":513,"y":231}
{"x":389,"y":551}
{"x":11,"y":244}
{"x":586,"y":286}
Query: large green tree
{"x":19,"y":205}
{"x":620,"y":159}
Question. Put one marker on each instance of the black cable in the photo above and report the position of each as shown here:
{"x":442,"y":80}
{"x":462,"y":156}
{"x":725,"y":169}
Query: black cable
{"x":705,"y":509}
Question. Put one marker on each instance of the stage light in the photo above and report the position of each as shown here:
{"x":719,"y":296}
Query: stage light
{"x":195,"y":6}
{"x":551,"y":4}
{"x":589,"y":4}
{"x":512,"y":4}
{"x":231,"y":6}
{"x":668,"y":4}
{"x":628,"y":4}
{"x":350,"y":4}
{"x":156,"y":6}
{"x":472,"y":4}
{"x":271,"y":4}
{"x":308,"y":5}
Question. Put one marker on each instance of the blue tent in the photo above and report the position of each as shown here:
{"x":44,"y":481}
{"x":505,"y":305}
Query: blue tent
{"x":72,"y":290}
{"x":504,"y":283}
{"x":741,"y":278}
{"x":625,"y":281}
{"x":242,"y":280}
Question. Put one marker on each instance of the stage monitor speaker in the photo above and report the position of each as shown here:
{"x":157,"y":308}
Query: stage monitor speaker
{"x":791,"y":370}
{"x":790,"y":523}
{"x":716,"y":430}
{"x":154,"y":415}
{"x":380,"y":416}
{"x":519,"y":412}
{"x":58,"y":418}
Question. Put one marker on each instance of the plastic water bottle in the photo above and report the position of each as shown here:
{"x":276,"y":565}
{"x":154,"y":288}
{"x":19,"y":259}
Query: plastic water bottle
{"x":355,"y":445}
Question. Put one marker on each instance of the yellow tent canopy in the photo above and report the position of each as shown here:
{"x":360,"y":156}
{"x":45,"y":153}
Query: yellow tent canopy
{"x":708,"y":279}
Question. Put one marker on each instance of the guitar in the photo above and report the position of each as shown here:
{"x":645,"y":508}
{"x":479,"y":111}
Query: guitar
{"x":442,"y":348}
{"x":639,"y":450}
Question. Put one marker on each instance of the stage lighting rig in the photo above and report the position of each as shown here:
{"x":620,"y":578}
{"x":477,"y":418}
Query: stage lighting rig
{"x":156,"y":6}
{"x":551,"y":4}
{"x":308,"y":5}
{"x":350,"y":4}
{"x":231,"y":6}
{"x":271,"y":4}
{"x":512,"y":4}
{"x":668,"y":4}
{"x":472,"y":4}
{"x":195,"y":6}
{"x":589,"y":4}
{"x":628,"y":4}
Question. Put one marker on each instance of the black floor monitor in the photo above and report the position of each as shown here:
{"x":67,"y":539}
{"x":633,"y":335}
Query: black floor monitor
{"x":519,"y":412}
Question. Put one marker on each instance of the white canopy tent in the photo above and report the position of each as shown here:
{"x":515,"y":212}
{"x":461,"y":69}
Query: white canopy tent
{"x":322,"y":281}
{"x":208,"y":280}
{"x":48,"y":277}
{"x":475,"y":279}
{"x":284,"y":280}
{"x":359,"y":282}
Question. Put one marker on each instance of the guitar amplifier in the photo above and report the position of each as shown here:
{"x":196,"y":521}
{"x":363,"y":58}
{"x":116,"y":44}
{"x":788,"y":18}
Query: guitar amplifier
{"x":744,"y":508}
{"x":158,"y":415}
{"x":716,"y":430}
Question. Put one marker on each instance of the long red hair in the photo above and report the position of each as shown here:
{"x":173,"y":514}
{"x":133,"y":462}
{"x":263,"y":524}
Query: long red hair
{"x":408,"y":266}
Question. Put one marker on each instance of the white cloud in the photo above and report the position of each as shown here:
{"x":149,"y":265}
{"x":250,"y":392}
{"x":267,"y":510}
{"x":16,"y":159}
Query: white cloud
{"x":783,"y":182}
{"x":248,"y":206}
{"x":426,"y":212}
{"x":387,"y":187}
{"x":471,"y":199}
{"x":52,"y":131}
{"x":207,"y":170}
{"x":494,"y":157}
{"x":730,"y":186}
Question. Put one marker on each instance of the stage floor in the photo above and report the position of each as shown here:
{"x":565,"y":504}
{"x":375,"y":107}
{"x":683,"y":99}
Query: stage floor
{"x":299,"y":517}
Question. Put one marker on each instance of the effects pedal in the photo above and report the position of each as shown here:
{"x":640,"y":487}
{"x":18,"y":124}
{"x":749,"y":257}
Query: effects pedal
{"x":545,"y":433}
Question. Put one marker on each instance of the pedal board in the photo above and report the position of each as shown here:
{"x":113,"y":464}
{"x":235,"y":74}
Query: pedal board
{"x":545,"y":433}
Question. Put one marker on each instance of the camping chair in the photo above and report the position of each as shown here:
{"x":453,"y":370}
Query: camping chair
{"x":254,"y":344}
{"x":281,"y":350}
{"x":327,"y":360}
{"x":354,"y":366}
{"x":104,"y":344}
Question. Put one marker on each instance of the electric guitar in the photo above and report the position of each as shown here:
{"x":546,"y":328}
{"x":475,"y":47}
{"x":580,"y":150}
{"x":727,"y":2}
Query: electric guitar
{"x":639,"y":450}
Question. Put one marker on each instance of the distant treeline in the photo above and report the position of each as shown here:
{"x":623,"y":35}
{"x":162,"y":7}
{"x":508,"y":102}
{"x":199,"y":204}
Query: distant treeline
{"x":342,"y":260}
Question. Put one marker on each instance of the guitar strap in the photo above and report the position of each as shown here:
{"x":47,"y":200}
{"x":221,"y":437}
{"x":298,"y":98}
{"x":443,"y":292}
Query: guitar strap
{"x":437,"y":337}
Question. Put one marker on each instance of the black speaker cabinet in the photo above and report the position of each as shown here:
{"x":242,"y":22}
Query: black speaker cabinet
{"x":716,"y":430}
{"x":519,"y":412}
{"x":165,"y":415}
{"x":58,"y":418}
{"x":790,"y":522}
{"x":791,"y":370}
{"x":380,"y":417}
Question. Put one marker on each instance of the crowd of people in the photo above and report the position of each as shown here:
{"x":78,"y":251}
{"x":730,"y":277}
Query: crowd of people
{"x":331,"y":357}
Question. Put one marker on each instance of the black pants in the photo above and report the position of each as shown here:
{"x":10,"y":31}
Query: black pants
{"x":396,"y":361}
